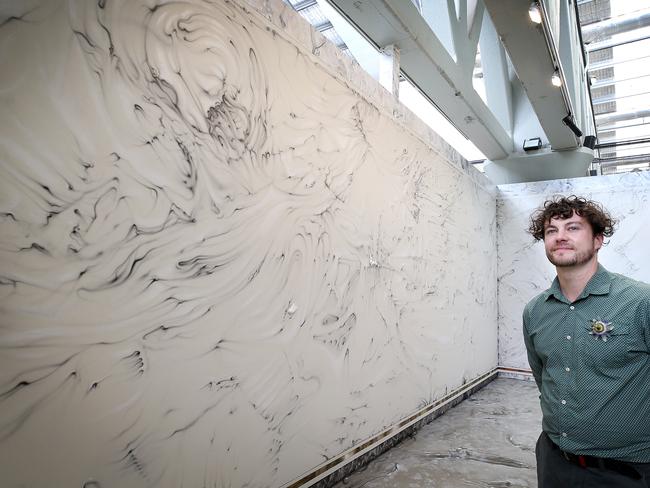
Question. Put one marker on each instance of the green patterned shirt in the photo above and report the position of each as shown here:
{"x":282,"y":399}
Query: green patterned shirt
{"x":595,"y":389}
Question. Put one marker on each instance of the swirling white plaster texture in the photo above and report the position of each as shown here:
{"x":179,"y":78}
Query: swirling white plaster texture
{"x":524,"y":270}
{"x":220,"y":265}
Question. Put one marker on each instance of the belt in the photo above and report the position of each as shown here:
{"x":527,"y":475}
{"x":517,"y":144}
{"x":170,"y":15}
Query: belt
{"x":622,"y":467}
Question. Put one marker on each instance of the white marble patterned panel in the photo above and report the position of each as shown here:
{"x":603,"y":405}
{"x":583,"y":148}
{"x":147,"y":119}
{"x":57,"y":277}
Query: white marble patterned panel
{"x":219,"y":264}
{"x":523,"y":268}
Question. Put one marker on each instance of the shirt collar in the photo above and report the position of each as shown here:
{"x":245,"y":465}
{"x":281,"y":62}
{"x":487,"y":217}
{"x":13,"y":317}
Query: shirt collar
{"x":599,"y":284}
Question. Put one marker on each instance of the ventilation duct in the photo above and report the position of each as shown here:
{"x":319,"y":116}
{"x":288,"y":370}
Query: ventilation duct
{"x":617,"y":25}
{"x":621,"y":116}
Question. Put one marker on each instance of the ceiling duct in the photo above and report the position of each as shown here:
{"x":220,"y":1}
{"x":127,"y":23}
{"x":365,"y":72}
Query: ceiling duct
{"x":623,"y":161}
{"x":615,"y":97}
{"x":617,"y":25}
{"x":607,"y":128}
{"x":621,"y":116}
{"x":609,"y":63}
{"x":599,"y":46}
{"x":613,"y":81}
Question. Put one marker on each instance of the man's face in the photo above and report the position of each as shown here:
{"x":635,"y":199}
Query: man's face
{"x":570,"y":242}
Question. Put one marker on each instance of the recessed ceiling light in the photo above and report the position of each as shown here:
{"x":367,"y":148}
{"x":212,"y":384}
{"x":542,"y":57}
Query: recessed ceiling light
{"x":534,"y":13}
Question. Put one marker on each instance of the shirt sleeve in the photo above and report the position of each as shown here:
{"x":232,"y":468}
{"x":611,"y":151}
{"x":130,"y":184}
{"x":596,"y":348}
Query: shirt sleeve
{"x":533,"y":359}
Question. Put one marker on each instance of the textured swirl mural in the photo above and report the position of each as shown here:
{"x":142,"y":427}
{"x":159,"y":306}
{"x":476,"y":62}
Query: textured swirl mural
{"x":220,"y":265}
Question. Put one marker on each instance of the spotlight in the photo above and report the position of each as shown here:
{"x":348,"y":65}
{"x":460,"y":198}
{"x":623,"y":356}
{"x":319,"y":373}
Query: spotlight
{"x":556,"y":80}
{"x":570,"y":123}
{"x":590,"y":142}
{"x":534,"y":13}
{"x":533,"y":144}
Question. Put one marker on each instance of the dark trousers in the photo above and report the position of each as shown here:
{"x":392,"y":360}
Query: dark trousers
{"x":555,"y":471}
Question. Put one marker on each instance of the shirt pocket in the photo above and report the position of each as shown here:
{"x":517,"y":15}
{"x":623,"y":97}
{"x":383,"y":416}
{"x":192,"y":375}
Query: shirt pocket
{"x":607,"y":354}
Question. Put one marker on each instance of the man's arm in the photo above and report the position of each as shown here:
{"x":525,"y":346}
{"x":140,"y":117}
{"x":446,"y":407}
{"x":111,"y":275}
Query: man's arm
{"x":642,"y":315}
{"x":533,"y":359}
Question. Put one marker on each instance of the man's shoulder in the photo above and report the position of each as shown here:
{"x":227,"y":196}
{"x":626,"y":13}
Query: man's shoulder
{"x":536,"y":300}
{"x":621,"y":284}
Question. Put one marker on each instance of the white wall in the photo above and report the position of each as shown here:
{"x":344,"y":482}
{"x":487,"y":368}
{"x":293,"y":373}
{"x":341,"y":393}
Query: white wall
{"x":523,"y":268}
{"x":221,"y":265}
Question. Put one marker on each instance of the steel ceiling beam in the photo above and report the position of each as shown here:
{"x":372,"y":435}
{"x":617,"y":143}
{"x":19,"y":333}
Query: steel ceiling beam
{"x":305,"y":4}
{"x":531,"y":52}
{"x":323,"y":26}
{"x":428,"y":64}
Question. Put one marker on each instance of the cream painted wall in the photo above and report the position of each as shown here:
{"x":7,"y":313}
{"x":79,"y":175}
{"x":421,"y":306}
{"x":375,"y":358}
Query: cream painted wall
{"x":220,"y":264}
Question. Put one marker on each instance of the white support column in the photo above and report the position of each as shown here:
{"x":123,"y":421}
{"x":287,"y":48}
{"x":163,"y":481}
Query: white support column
{"x":389,"y":69}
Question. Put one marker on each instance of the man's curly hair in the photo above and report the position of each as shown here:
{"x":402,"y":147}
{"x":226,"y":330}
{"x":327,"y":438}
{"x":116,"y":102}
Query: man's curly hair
{"x":564,"y":207}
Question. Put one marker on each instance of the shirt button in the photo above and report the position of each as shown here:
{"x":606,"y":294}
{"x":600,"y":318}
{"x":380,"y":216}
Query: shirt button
{"x":568,"y":338}
{"x":563,"y":434}
{"x":567,"y":369}
{"x":572,"y":307}
{"x":563,"y":402}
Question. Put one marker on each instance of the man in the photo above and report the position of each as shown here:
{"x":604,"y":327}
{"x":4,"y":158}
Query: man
{"x":588,"y":343}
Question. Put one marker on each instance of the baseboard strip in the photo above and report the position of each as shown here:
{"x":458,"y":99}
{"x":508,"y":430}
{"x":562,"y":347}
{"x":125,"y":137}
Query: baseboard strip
{"x":515,"y":373}
{"x":335,"y":469}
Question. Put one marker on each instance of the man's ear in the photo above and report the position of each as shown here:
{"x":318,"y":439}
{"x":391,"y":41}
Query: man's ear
{"x":598,"y":241}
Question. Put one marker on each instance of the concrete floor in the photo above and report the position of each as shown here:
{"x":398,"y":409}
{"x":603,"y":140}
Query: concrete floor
{"x":486,"y":441}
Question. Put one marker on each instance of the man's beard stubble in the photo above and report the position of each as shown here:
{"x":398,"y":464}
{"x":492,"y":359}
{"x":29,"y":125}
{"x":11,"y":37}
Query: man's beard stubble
{"x":578,"y":258}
